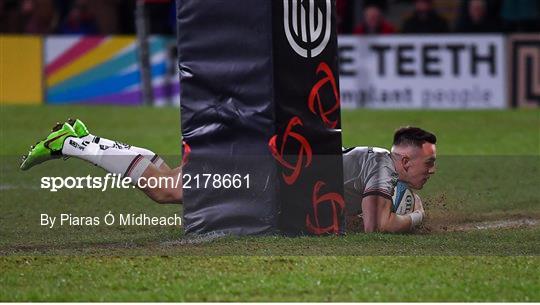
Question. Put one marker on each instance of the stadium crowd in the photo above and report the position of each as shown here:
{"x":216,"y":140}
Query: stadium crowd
{"x":363,"y":17}
{"x":442,"y":16}
{"x":90,"y":17}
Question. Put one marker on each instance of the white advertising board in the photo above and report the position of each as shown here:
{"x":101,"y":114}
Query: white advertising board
{"x":428,"y":71}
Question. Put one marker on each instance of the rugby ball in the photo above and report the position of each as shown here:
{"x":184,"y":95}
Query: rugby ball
{"x":403,"y":199}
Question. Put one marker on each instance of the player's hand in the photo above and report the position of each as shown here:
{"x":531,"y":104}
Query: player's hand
{"x":418,"y":214}
{"x":418,"y":206}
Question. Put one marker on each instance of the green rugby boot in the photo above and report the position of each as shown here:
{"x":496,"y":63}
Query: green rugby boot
{"x":80,"y":128}
{"x":49,"y":148}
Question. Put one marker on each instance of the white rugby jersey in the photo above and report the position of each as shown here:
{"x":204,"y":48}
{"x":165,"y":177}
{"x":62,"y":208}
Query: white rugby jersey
{"x":367,"y":171}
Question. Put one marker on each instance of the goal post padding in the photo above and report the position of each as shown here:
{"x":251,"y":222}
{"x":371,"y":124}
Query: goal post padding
{"x":260,"y":100}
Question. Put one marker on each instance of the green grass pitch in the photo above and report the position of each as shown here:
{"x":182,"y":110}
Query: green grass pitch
{"x":488,"y":174}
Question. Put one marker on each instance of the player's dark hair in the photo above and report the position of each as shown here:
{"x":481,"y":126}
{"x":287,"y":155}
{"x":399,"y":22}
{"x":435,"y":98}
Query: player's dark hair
{"x":413,"y":136}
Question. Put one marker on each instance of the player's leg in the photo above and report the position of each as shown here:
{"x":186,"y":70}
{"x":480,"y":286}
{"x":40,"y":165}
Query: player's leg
{"x":166,"y":184}
{"x":125,"y":162}
{"x":169,"y":189}
{"x":82,"y":132}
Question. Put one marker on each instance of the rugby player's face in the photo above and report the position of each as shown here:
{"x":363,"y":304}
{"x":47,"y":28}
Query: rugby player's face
{"x":421,"y":166}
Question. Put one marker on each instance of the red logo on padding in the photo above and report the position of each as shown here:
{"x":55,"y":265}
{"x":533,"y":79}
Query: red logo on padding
{"x":185,"y":153}
{"x":304,"y":152}
{"x":338,"y":204}
{"x":315,"y":96}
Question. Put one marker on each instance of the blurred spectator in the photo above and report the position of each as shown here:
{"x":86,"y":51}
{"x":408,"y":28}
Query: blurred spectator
{"x":344,"y":16}
{"x":374,"y":22}
{"x":126,"y":11}
{"x":80,"y":20}
{"x":41,"y":16}
{"x":381,"y":4}
{"x":10,"y":16}
{"x":477,"y":19}
{"x":424,"y":19}
{"x":63,"y":7}
{"x":158,"y":17}
{"x":106,"y":15}
{"x":348,"y":13}
{"x":172,"y":17}
{"x":521,"y":15}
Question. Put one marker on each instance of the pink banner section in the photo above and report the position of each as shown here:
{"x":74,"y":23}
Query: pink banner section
{"x":83,"y":46}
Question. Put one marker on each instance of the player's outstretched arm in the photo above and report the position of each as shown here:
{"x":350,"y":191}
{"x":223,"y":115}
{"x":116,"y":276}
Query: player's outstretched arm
{"x":378,"y":216}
